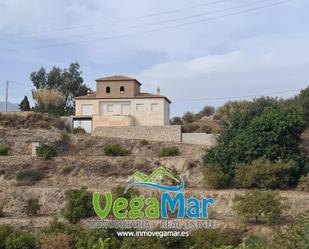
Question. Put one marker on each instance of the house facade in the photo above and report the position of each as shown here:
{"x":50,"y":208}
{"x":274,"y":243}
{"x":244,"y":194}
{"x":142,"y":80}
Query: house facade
{"x":118,"y":101}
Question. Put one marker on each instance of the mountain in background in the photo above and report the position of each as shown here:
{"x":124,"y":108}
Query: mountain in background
{"x":12,"y":107}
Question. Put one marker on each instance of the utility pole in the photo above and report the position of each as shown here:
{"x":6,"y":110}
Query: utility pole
{"x":6,"y":96}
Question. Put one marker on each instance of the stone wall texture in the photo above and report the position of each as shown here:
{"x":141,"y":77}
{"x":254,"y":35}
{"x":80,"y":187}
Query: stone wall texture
{"x":199,"y":138}
{"x":168,"y":133}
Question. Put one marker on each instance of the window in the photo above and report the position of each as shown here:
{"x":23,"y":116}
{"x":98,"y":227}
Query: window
{"x":110,"y":107}
{"x":86,"y":110}
{"x":108,"y":89}
{"x":122,"y":89}
{"x":154,"y":107}
{"x":139,"y":107}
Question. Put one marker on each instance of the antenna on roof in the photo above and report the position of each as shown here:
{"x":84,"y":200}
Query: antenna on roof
{"x":158,"y":90}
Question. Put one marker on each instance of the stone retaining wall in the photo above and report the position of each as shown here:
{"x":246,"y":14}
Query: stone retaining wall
{"x":168,"y":133}
{"x":199,"y":138}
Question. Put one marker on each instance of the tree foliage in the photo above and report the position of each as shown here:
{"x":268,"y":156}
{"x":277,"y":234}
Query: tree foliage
{"x":264,"y":128}
{"x":259,"y":206}
{"x":51,"y":101}
{"x":68,"y":81}
{"x":24,"y":105}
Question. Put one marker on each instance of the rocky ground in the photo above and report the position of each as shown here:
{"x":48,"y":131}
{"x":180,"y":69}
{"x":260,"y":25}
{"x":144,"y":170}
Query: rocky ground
{"x":83,"y":164}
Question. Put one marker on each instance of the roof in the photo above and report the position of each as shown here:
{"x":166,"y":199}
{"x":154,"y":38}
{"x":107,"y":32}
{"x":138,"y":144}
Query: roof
{"x":118,"y":78}
{"x":139,"y":96}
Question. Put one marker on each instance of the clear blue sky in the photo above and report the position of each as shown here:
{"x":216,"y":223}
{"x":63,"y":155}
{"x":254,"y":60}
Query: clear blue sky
{"x":208,"y":50}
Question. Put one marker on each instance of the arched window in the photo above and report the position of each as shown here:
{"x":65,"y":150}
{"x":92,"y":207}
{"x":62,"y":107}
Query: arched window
{"x":108,"y":89}
{"x":122,"y":89}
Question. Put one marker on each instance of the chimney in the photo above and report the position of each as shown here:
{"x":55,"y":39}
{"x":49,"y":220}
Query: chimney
{"x":158,"y":90}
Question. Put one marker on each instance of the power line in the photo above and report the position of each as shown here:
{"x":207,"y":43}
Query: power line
{"x":129,"y":19}
{"x":169,"y":21}
{"x":19,"y":83}
{"x":237,"y":97}
{"x":162,"y":28}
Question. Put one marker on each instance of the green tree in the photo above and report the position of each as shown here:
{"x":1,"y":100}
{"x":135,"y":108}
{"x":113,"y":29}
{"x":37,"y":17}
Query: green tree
{"x":259,"y":206}
{"x":303,"y":100}
{"x":207,"y":111}
{"x":24,"y":105}
{"x":263,"y":129}
{"x":68,"y":81}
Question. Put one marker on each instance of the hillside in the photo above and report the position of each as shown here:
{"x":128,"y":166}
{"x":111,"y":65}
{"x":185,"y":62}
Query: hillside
{"x":83,"y":164}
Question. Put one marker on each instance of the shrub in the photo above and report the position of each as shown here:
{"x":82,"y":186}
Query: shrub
{"x":207,"y":111}
{"x":119,"y":192}
{"x":43,"y":124}
{"x":262,"y":173}
{"x":1,"y":211}
{"x":259,"y":206}
{"x":29,"y":176}
{"x":115,"y":150}
{"x":190,"y":127}
{"x":188,"y":117}
{"x":262,"y":128}
{"x":293,"y":236}
{"x":59,"y":241}
{"x":67,"y":169}
{"x":204,"y":128}
{"x":79,"y":131}
{"x":32,"y":207}
{"x":214,"y":238}
{"x":303,"y":183}
{"x":176,"y":121}
{"x":169,"y":151}
{"x":45,"y":151}
{"x":143,"y":142}
{"x":20,"y":240}
{"x":215,"y":178}
{"x":4,"y":149}
{"x":78,"y":205}
{"x":5,"y":231}
{"x":254,"y":242}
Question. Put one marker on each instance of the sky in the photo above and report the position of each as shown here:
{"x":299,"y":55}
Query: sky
{"x":200,"y":53}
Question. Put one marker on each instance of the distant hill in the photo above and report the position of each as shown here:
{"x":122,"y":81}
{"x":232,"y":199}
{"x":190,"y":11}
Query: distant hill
{"x":12,"y":107}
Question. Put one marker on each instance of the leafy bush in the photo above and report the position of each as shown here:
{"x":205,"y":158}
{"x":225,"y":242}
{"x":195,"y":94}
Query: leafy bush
{"x":188,"y":117}
{"x":67,"y":169}
{"x":293,"y":236}
{"x":143,"y":142}
{"x":169,"y":151}
{"x":303,"y":183}
{"x":5,"y":231}
{"x":115,"y":150}
{"x":254,"y":242}
{"x":78,"y":205}
{"x":79,"y":131}
{"x":4,"y":149}
{"x":119,"y":192}
{"x":262,"y":173}
{"x":45,"y":151}
{"x":29,"y":176}
{"x":59,"y":241}
{"x":262,"y":128}
{"x":214,"y":238}
{"x":32,"y":207}
{"x":20,"y":240}
{"x":43,"y":125}
{"x":30,"y":121}
{"x":215,"y":178}
{"x":1,"y":211}
{"x":259,"y":206}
